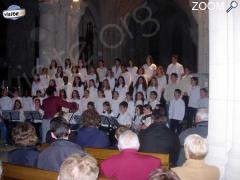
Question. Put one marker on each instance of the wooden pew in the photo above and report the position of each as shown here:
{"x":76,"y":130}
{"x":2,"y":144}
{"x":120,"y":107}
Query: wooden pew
{"x":101,"y":154}
{"x":15,"y":172}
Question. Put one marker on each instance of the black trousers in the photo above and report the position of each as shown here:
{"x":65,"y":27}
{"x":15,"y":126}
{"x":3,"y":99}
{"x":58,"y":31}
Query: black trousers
{"x":190,"y":116}
{"x":175,"y":125}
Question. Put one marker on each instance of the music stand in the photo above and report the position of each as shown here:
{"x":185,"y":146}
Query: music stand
{"x":11,"y":115}
{"x":33,"y":116}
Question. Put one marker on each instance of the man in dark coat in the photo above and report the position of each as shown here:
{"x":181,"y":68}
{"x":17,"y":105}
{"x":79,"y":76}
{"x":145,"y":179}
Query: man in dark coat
{"x":158,"y":138}
{"x":52,"y":157}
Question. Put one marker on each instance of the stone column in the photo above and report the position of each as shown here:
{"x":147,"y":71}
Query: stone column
{"x":203,"y":42}
{"x":47,"y":32}
{"x":224,"y":116}
{"x":76,"y":11}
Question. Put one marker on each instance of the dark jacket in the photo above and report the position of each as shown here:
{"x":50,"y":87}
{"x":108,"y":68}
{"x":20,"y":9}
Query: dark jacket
{"x":92,"y":137}
{"x":25,"y":156}
{"x":200,"y":129}
{"x":158,"y":138}
{"x":52,"y":157}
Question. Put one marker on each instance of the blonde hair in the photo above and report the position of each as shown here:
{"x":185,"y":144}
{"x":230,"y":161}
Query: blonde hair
{"x":79,"y":166}
{"x":196,"y":147}
{"x":24,"y":135}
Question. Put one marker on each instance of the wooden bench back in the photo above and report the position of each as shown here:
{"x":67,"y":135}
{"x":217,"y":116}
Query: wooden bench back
{"x":15,"y":172}
{"x":11,"y":171}
{"x":101,"y":154}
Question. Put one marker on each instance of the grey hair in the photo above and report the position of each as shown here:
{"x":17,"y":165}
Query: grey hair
{"x":128,"y":140}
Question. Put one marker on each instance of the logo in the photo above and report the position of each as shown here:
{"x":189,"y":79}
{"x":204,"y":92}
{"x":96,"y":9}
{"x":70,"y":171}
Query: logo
{"x":14,"y":12}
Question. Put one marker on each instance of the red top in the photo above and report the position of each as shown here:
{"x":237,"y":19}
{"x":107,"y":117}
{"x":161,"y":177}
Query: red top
{"x":54,"y":104}
{"x":129,"y":165}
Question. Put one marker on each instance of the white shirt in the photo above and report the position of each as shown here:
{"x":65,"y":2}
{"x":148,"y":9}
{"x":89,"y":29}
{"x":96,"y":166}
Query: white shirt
{"x":203,"y":102}
{"x":79,"y":103}
{"x":37,"y":86}
{"x":68,"y":89}
{"x":101,"y":73}
{"x":83,"y":74}
{"x":122,"y":91}
{"x":175,"y":68}
{"x":177,"y":109}
{"x":6,"y":103}
{"x":131,"y":108}
{"x":124,"y":119}
{"x":84,"y":103}
{"x":93,"y":92}
{"x":132,"y":71}
{"x":108,"y":94}
{"x":92,"y":76}
{"x":156,"y":89}
{"x":149,"y":70}
{"x":44,"y":79}
{"x":111,"y":82}
{"x":99,"y":104}
{"x":127,"y":77}
{"x":194,"y":96}
{"x":169,"y":91}
{"x":115,"y":106}
{"x":116,"y":71}
{"x":153,"y":103}
{"x":162,"y":81}
{"x":27,"y":103}
{"x":185,"y":83}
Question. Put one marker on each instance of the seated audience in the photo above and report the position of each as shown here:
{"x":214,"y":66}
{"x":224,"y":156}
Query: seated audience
{"x":52,"y":157}
{"x":158,"y":138}
{"x":159,"y":174}
{"x":196,"y":149}
{"x":201,"y":129}
{"x":90,"y":135}
{"x":79,"y":166}
{"x":25,"y":138}
{"x":129,"y":164}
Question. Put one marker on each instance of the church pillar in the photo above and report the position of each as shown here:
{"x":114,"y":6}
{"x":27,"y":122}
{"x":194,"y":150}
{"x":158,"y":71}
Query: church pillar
{"x":223,"y":137}
{"x":59,"y":30}
{"x":203,"y":41}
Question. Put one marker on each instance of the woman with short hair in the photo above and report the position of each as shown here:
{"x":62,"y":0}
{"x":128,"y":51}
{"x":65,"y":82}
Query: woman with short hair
{"x":25,"y":138}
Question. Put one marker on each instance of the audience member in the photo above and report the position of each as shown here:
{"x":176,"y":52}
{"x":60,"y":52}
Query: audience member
{"x":196,"y":148}
{"x":25,"y":138}
{"x":159,"y":174}
{"x":129,"y":164}
{"x":201,"y":129}
{"x":52,"y":157}
{"x":79,"y":166}
{"x":158,"y":138}
{"x":90,"y":135}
